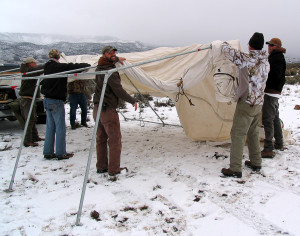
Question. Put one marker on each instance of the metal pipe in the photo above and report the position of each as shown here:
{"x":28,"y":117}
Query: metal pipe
{"x":23,"y":137}
{"x":91,"y":149}
{"x":158,"y":59}
{"x":148,"y":121}
{"x":63,"y":74}
{"x":18,"y":74}
{"x":9,"y":70}
{"x":55,"y":75}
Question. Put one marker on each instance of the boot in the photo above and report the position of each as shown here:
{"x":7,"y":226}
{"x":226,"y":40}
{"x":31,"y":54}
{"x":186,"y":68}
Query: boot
{"x":64,"y":157}
{"x":253,"y":167}
{"x":230,"y":173}
{"x":31,"y":144}
{"x":267,"y":154}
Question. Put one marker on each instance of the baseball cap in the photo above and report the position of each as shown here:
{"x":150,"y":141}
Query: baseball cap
{"x":108,"y":49}
{"x":29,"y":60}
{"x":275,"y":42}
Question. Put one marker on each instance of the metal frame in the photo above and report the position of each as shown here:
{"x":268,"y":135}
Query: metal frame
{"x":106,"y":77}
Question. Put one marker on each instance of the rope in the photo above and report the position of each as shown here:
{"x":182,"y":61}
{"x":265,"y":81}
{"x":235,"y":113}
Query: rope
{"x":181,"y":92}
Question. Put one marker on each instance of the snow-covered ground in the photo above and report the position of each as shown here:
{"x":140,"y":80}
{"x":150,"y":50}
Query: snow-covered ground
{"x":173,"y":187}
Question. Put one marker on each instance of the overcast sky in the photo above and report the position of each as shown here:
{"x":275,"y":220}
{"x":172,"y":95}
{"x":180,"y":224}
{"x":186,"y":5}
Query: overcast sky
{"x":159,"y":22}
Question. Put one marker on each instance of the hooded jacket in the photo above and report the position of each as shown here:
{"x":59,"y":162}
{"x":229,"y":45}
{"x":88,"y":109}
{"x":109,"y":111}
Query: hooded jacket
{"x":256,"y":65}
{"x":56,"y":88}
{"x":276,"y":77}
{"x":28,"y":86}
{"x":114,"y":90}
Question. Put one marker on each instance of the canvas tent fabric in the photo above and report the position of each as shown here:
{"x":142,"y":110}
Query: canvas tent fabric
{"x":208,"y":119}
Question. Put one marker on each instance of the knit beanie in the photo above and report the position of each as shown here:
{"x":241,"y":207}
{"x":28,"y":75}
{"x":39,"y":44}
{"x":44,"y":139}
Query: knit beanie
{"x":257,"y":41}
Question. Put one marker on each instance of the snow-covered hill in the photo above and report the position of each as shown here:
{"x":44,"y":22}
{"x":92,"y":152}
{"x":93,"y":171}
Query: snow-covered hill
{"x":15,"y":47}
{"x":53,"y":38}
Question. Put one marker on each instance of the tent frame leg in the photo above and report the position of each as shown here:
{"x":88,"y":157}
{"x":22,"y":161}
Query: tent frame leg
{"x":23,"y":137}
{"x":106,"y":77}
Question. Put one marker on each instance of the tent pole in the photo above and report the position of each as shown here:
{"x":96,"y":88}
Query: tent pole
{"x":107,"y":75}
{"x":49,"y":76}
{"x":122,"y":114}
{"x":64,"y":74}
{"x":24,"y":134}
{"x":141,"y":117}
{"x":18,"y":74}
{"x":145,"y":100}
{"x":153,"y":122}
{"x":4,"y":71}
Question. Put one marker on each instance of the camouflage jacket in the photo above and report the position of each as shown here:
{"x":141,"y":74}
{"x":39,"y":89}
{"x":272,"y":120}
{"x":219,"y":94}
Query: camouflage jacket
{"x":257,"y":65}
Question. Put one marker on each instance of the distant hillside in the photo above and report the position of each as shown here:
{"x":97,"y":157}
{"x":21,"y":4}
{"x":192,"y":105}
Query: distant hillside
{"x":14,"y":48}
{"x":53,"y":38}
{"x":11,"y":52}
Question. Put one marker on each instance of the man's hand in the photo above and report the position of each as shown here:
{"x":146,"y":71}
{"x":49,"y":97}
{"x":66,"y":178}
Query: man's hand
{"x":121,"y":59}
{"x":135,"y":106}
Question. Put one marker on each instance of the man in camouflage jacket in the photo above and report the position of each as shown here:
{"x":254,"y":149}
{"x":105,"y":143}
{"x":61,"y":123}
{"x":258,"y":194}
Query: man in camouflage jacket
{"x":253,"y":71}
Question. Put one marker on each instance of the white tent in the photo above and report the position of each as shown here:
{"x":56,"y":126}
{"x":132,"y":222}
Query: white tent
{"x":208,"y":119}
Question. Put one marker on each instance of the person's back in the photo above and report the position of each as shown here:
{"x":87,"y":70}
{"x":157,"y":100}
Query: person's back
{"x":257,"y":66}
{"x":55,"y":91}
{"x":56,"y":88}
{"x":248,"y":109}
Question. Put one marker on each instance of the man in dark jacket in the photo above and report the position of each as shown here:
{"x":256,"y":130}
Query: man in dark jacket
{"x":109,"y":132}
{"x":26,"y":92}
{"x":55,"y":91}
{"x":270,"y":110}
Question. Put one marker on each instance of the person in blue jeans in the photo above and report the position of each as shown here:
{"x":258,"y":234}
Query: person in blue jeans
{"x":77,"y":97}
{"x":55,"y":125}
{"x":55,"y":92}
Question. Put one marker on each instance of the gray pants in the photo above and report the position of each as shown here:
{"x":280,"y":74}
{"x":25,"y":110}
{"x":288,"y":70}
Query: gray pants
{"x":271,"y":123}
{"x":245,"y":124}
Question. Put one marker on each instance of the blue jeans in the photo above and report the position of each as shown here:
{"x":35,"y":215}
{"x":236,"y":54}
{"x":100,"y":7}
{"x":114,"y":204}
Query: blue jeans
{"x":76,"y":99}
{"x":55,"y":125}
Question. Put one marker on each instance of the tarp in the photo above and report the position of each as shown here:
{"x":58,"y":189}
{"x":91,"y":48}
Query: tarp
{"x":208,"y":119}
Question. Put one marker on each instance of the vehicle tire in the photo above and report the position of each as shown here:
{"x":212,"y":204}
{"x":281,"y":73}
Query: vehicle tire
{"x":12,"y":118}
